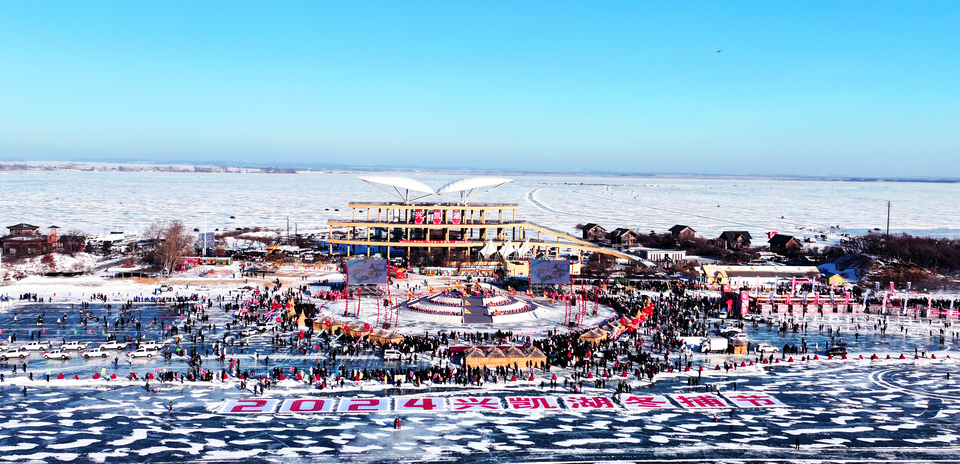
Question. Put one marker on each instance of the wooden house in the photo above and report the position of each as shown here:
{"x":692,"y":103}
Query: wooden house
{"x":593,"y":232}
{"x":682,"y":232}
{"x":623,"y":236}
{"x":780,"y":243}
{"x":24,"y":240}
{"x":734,"y":239}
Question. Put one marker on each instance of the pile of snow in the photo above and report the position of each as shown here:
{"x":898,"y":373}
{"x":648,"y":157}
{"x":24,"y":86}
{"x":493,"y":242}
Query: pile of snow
{"x":81,"y":262}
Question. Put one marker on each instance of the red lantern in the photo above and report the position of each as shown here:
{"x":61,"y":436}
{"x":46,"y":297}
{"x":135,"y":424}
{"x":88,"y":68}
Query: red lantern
{"x":623,"y":321}
{"x":328,"y":324}
{"x":278,"y":320}
{"x":366,"y":326}
{"x":635,"y":321}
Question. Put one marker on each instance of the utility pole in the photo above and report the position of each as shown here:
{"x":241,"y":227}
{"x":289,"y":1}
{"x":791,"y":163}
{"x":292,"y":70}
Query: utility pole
{"x":888,"y":218}
{"x":288,"y":231}
{"x":203,"y":234}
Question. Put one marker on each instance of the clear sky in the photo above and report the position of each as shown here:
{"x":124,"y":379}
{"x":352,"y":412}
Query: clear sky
{"x":808,"y":88}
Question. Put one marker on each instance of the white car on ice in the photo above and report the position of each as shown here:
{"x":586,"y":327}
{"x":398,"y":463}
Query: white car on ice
{"x":56,"y":354}
{"x":113,"y":345}
{"x":73,"y":346}
{"x":98,"y":352}
{"x":17,"y":352}
{"x":142,"y":352}
{"x":150,"y":345}
{"x":38,"y":346}
{"x":764,"y":348}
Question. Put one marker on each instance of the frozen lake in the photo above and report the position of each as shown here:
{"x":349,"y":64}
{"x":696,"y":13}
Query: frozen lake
{"x":96,"y":202}
{"x":860,"y":410}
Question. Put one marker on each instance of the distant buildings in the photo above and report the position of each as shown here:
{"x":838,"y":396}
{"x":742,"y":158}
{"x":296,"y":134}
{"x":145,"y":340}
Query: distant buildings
{"x":734,"y":239}
{"x":623,"y":236}
{"x":593,"y":232}
{"x":780,"y":243}
{"x":25,"y":240}
{"x":683,"y":232}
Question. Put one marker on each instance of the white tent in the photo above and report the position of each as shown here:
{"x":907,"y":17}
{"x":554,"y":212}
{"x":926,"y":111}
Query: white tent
{"x":524,"y":249}
{"x":488,"y":250}
{"x":507,"y":250}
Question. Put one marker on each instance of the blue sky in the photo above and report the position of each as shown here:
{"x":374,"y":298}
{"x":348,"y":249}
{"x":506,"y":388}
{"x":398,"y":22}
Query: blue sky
{"x":803,"y":88}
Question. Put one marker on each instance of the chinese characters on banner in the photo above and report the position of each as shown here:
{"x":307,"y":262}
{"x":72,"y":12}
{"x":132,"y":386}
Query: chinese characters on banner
{"x":436,"y":216}
{"x":646,"y":402}
{"x":756,"y":400}
{"x":419,"y":216}
{"x":475,"y":404}
{"x":533,"y":402}
{"x":427,"y":404}
{"x":588,"y":402}
{"x":699,"y":401}
{"x":456,"y":216}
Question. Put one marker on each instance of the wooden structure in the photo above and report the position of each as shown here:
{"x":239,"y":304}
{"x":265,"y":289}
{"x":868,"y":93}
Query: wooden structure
{"x":24,"y":240}
{"x":593,"y":232}
{"x":461,"y":229}
{"x":780,"y":243}
{"x":682,"y":232}
{"x":623,"y":236}
{"x":734,"y":239}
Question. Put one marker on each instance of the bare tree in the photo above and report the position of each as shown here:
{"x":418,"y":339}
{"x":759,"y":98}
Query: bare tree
{"x":153,"y":233}
{"x":174,"y":246}
{"x":73,"y":242}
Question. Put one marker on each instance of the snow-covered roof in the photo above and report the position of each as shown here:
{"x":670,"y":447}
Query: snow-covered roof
{"x":471,"y":188}
{"x":399,"y":186}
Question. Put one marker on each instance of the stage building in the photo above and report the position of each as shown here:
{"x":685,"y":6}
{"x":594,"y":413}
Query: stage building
{"x":450,"y":225}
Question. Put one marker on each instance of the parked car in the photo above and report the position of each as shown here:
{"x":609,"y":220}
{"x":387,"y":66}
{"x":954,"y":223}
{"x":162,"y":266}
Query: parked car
{"x":392,"y":355}
{"x":113,"y":345}
{"x":99,"y":351}
{"x":837,"y":350}
{"x":738,"y":336}
{"x":765,"y":348}
{"x":73,"y":346}
{"x":150,"y":345}
{"x":17,"y":352}
{"x":39,"y":346}
{"x":56,"y":354}
{"x":142,"y":352}
{"x":728,"y":331}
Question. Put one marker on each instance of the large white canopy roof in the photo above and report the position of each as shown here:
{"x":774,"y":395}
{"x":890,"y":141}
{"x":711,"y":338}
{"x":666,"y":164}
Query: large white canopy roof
{"x":399,"y":186}
{"x":471,"y":183}
{"x":469,"y":188}
{"x":472,"y":188}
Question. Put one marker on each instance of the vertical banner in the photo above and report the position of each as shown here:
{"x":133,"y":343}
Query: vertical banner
{"x":456,"y":216}
{"x":744,"y":303}
{"x":419,"y":216}
{"x":436,"y":216}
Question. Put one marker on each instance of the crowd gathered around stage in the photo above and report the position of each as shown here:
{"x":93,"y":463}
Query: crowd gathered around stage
{"x":283,"y":314}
